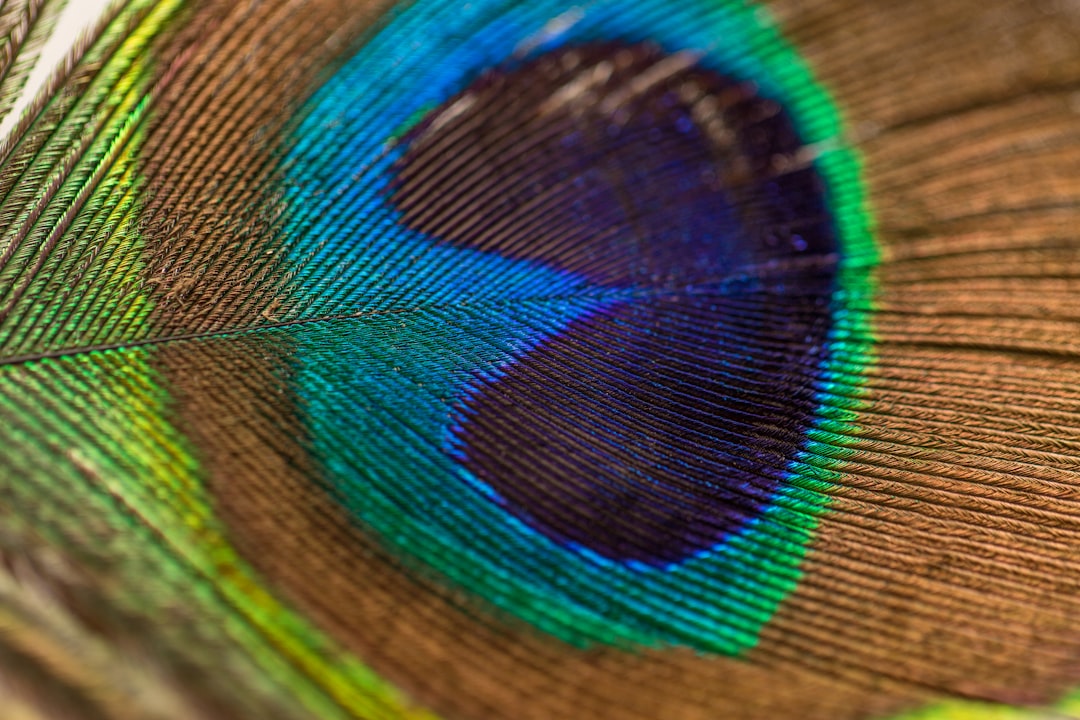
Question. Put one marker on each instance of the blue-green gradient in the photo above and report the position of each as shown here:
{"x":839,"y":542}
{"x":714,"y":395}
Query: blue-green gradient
{"x":417,"y":322}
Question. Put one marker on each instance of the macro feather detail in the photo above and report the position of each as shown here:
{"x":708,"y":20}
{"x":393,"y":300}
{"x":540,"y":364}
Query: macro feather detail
{"x":537,"y":359}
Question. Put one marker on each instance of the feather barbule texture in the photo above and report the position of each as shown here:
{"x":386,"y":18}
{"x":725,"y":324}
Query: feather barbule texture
{"x":534,"y":359}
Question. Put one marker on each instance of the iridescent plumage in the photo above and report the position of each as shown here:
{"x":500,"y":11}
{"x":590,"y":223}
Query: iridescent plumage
{"x":531,"y":359}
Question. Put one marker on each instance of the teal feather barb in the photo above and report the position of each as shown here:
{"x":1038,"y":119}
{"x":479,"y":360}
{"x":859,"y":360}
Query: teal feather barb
{"x":529,"y":359}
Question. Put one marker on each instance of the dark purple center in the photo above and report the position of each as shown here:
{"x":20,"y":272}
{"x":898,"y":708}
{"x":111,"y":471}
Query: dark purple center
{"x":649,"y":429}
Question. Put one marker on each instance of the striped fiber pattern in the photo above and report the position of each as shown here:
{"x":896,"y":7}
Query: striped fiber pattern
{"x":533,"y":359}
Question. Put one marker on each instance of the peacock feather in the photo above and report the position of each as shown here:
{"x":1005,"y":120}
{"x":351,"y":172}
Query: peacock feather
{"x":541,"y":359}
